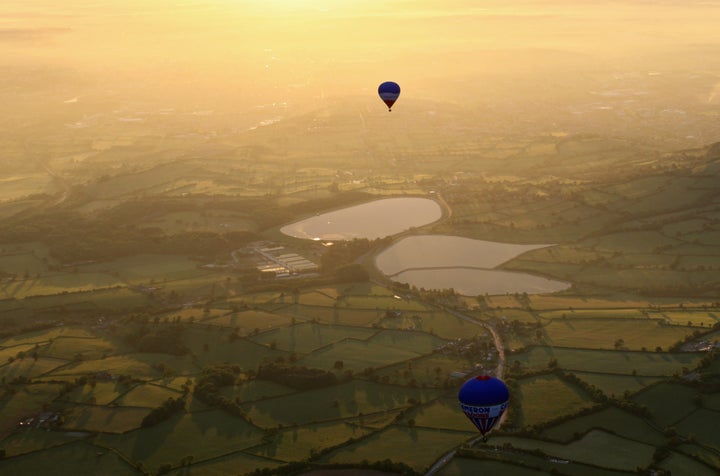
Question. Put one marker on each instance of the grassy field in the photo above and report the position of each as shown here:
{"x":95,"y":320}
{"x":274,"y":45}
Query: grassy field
{"x":340,"y":401}
{"x":305,"y":338}
{"x":558,"y":397}
{"x":443,"y":414}
{"x":357,"y":355}
{"x":205,"y":220}
{"x":247,"y":322}
{"x":429,"y":371}
{"x":648,"y":364}
{"x":45,"y":285}
{"x":215,"y":345}
{"x":705,"y":455}
{"x":144,"y":268}
{"x":416,"y":447}
{"x":201,"y":435}
{"x":234,"y":463}
{"x":299,"y":443}
{"x":614,"y":385}
{"x":594,"y":313}
{"x":668,"y":403}
{"x":74,"y":458}
{"x":610,"y":419}
{"x":256,"y":390}
{"x":29,"y":368}
{"x":702,"y":424}
{"x":512,"y":461}
{"x":68,"y":348}
{"x":678,"y":463}
{"x":442,"y":324}
{"x":30,"y":440}
{"x":119,"y":365}
{"x":601,"y":334}
{"x":101,"y":393}
{"x":150,"y":396}
{"x":93,"y":418}
{"x":597,"y":447}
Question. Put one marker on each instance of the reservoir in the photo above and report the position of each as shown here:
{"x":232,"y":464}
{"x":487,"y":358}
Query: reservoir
{"x":376,"y":219}
{"x":464,"y":264}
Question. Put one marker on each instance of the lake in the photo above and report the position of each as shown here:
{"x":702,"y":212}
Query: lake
{"x":464,"y":264}
{"x":376,"y":219}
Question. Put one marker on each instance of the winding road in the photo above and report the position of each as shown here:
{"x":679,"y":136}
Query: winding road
{"x":445,"y":459}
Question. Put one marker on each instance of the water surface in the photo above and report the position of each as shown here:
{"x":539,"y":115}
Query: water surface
{"x":463,"y":264}
{"x":376,"y":219}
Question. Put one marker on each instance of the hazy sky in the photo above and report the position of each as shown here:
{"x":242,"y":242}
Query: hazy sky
{"x":294,"y":41}
{"x":213,"y":53}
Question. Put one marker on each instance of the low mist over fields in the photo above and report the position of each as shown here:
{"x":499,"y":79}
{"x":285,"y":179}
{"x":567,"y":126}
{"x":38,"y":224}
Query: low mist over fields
{"x":646,"y":70}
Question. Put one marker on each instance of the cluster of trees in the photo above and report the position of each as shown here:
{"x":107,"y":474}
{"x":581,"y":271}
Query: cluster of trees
{"x":344,"y":253}
{"x":170,"y":407}
{"x":207,"y":388}
{"x":73,"y":237}
{"x":157,"y":338}
{"x":301,"y":378}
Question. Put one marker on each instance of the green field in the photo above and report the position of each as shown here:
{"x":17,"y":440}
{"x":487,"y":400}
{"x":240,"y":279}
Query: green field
{"x":299,"y":443}
{"x":429,"y":371}
{"x":558,"y":397}
{"x":234,"y":463}
{"x":29,"y":367}
{"x":614,"y":385}
{"x":256,"y":390}
{"x":215,"y":345}
{"x":305,"y":338}
{"x":648,"y":364}
{"x":247,"y":322}
{"x":340,"y":401}
{"x":144,"y":268}
{"x":602,"y":334}
{"x":60,"y":283}
{"x":74,"y":458}
{"x":357,"y":355}
{"x":205,"y":220}
{"x":442,"y":413}
{"x":100,"y":393}
{"x":680,"y":464}
{"x":201,"y":435}
{"x":107,"y":419}
{"x":610,"y":419}
{"x":668,"y":403}
{"x":68,"y":348}
{"x":416,"y":447}
{"x":150,"y":396}
{"x":30,"y":440}
{"x":702,"y":424}
{"x":597,"y":448}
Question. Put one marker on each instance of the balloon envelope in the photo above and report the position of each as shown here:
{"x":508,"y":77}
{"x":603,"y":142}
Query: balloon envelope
{"x":389,"y":92}
{"x":484,"y":399}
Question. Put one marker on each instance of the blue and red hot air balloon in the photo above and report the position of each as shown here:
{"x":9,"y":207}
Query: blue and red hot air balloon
{"x":389,"y":92}
{"x":484,"y":400}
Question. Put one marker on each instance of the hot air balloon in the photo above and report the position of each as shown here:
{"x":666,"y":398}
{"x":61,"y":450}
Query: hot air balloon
{"x":484,"y":399}
{"x":389,"y":92}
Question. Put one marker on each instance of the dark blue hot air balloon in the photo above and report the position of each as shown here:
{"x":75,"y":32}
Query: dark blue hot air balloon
{"x":484,"y":399}
{"x":389,"y":92}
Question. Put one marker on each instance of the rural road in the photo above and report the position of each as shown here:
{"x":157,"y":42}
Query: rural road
{"x":445,"y":459}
